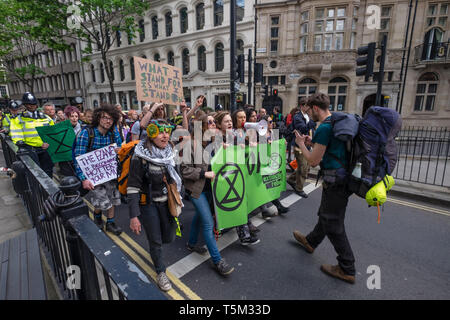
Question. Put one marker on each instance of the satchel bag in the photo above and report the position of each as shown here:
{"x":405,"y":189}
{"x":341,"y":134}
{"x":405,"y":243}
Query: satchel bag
{"x":173,"y":198}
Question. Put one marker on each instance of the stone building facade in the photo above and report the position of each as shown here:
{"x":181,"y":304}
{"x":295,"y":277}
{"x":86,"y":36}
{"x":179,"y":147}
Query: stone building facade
{"x":310,"y":46}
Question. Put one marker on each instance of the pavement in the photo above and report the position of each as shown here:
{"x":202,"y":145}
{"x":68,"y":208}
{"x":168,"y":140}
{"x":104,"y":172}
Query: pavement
{"x":14,"y":219}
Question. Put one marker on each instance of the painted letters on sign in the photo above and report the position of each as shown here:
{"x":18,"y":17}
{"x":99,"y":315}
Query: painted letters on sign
{"x":158,"y":82}
{"x":99,"y":166}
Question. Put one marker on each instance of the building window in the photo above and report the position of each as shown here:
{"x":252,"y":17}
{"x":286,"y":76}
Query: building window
{"x":171,"y":58}
{"x":168,"y":17}
{"x":185,"y":61}
{"x":132,"y":68}
{"x":121,"y":70}
{"x":337,"y":91}
{"x":154,"y":27}
{"x":157,"y":57}
{"x":274,"y":27}
{"x":111,"y":69}
{"x":218,"y":13}
{"x":239,"y":47}
{"x":183,"y":20}
{"x":426,"y":92}
{"x":201,"y":56}
{"x":118,"y":38}
{"x":385,"y":23}
{"x":240,"y":10}
{"x":306,"y":87}
{"x":141,"y":30}
{"x":200,"y":16}
{"x":130,"y":39}
{"x":219,"y":57}
{"x":92,"y":74}
{"x":329,"y":28}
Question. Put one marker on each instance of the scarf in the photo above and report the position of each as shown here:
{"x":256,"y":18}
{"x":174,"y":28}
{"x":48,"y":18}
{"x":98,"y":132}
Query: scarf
{"x":162,"y":157}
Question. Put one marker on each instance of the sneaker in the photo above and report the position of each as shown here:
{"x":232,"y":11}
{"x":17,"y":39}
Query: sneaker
{"x":163,"y":282}
{"x":267,"y":215}
{"x":302,"y":240}
{"x":249,"y":241}
{"x":281,"y":209}
{"x":337,"y":272}
{"x":223,"y":268}
{"x":111,"y":227}
{"x":198,"y":249}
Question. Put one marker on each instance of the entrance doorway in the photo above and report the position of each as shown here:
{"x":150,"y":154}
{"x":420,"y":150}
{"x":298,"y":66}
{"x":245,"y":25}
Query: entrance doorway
{"x":271,"y":102}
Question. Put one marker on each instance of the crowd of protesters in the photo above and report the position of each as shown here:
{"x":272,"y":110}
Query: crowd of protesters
{"x":153,"y":169}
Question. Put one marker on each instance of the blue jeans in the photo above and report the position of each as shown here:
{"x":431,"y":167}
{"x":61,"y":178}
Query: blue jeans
{"x":203,"y":217}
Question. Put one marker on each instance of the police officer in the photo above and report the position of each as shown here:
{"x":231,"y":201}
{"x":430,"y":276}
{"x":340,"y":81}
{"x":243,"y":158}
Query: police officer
{"x":24,"y":129}
{"x":11,"y":116}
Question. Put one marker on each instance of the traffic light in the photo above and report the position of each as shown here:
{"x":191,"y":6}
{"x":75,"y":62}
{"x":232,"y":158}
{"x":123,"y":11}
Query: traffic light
{"x":367,"y":54}
{"x":258,"y":72}
{"x":275,"y":92}
{"x":240,"y":68}
{"x":266,"y":90}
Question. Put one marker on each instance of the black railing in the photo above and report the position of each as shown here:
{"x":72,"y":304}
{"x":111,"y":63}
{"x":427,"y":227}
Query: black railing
{"x":86,"y":263}
{"x":423,"y":154}
{"x":432,"y":52}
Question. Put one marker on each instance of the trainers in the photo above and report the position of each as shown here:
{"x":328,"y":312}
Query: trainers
{"x":111,"y":227}
{"x":223,"y":268}
{"x":198,"y":249}
{"x":302,"y":240}
{"x":163,"y":282}
{"x":337,"y":272}
{"x":249,"y":241}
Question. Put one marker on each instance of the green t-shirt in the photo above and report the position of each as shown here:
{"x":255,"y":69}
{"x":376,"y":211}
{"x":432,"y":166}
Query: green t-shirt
{"x":324,"y":136}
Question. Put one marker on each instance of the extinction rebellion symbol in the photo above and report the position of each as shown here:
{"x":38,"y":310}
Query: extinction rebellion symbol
{"x":232,"y":189}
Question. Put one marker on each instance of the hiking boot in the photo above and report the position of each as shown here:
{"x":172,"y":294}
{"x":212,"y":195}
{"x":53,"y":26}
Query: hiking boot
{"x":302,"y":240}
{"x":98,"y":221}
{"x":337,"y":272}
{"x":249,"y":241}
{"x":198,"y":249}
{"x":163,"y":282}
{"x":111,"y":227}
{"x":223,"y":268}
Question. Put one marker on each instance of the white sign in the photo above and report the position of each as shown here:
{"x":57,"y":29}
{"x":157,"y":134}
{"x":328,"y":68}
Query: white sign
{"x":99,"y":166}
{"x":294,"y":76}
{"x":261,"y":50}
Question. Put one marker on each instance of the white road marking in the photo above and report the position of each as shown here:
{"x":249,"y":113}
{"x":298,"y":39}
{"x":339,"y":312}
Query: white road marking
{"x":193,"y":260}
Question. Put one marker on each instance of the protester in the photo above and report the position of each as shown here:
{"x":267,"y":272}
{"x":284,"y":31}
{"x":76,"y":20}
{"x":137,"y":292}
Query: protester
{"x":197,"y":180}
{"x":304,"y":125}
{"x":138,"y":131}
{"x":262,"y":113}
{"x":60,"y":116}
{"x":330,"y":152}
{"x":49,"y":109}
{"x":104,"y":197}
{"x":66,"y":168}
{"x":88,"y":113}
{"x":290,"y":136}
{"x":24,"y":129}
{"x":153,"y":159}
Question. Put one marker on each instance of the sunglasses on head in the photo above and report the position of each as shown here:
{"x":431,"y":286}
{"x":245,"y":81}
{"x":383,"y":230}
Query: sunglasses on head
{"x":154,"y":129}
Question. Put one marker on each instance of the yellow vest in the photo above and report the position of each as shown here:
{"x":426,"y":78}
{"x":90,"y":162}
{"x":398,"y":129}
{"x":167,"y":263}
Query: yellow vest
{"x":24,"y":128}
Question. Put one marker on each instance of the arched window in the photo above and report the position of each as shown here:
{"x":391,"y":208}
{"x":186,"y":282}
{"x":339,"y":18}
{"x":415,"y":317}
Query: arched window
{"x":168,"y":17}
{"x":183,"y":20}
{"x":306,"y":87}
{"x":154,"y":27}
{"x":219,"y":57}
{"x":426,"y":92}
{"x":200,"y":16}
{"x":185,"y":61}
{"x":218,"y":12}
{"x":157,"y":57}
{"x":141,"y":30}
{"x":201,"y":56}
{"x":171,"y":58}
{"x":121,"y":70}
{"x":102,"y":73}
{"x":118,"y":38}
{"x":132,"y":68}
{"x":111,"y":69}
{"x":337,"y":91}
{"x":239,"y":47}
{"x":92,"y":73}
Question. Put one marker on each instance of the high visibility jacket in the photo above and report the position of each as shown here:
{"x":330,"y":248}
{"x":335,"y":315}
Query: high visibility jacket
{"x":6,"y":122}
{"x":24,"y":128}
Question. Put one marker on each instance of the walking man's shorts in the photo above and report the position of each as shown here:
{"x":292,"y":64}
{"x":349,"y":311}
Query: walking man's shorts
{"x":104,"y":196}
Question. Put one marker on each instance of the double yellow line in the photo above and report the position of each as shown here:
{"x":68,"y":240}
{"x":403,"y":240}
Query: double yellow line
{"x":420,"y":207}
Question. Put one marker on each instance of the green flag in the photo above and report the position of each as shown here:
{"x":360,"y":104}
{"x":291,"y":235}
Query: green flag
{"x":247,"y":178}
{"x":60,"y":138}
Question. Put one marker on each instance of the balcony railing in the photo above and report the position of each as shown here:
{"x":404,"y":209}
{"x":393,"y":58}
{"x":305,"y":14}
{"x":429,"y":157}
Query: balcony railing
{"x":432,"y":53}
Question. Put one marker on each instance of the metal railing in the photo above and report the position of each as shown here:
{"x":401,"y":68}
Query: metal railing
{"x":423,"y":154}
{"x":432,"y":52}
{"x":86,"y":263}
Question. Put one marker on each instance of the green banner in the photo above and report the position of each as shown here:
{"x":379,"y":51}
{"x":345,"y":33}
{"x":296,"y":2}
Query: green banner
{"x":246,"y":178}
{"x":60,"y":138}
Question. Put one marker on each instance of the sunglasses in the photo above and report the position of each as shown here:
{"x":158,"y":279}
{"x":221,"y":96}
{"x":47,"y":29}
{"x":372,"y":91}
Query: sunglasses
{"x":211,"y":122}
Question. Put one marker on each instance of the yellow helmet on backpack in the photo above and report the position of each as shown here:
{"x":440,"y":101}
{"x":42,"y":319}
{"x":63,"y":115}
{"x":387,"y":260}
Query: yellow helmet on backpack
{"x":377,"y":194}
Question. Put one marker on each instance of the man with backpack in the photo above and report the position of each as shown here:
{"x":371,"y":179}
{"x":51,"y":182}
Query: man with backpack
{"x":331,"y":153}
{"x":104,"y":197}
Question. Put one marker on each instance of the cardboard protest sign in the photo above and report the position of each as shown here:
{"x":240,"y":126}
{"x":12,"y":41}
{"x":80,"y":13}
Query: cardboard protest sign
{"x":60,"y":138}
{"x":241,"y":187}
{"x":158,"y":82}
{"x":99,"y":166}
